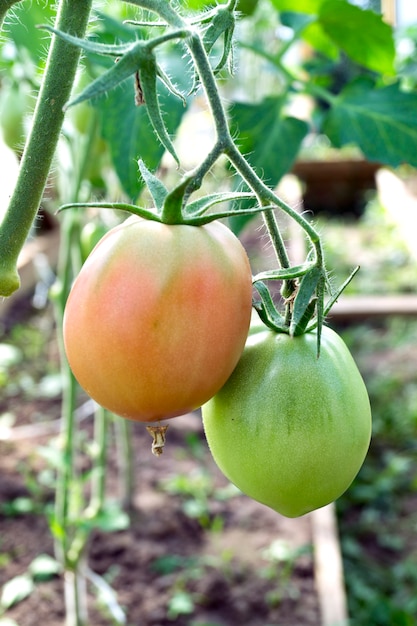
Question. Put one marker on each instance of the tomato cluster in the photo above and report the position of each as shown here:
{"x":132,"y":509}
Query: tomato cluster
{"x":157,"y":325}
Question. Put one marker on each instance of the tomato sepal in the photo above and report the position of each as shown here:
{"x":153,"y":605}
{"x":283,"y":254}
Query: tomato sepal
{"x":267,"y":310}
{"x":303,"y":299}
{"x":156,"y":187}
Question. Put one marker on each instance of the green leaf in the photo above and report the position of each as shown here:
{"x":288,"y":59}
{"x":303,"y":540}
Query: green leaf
{"x":315,"y":36}
{"x":301,"y":6}
{"x":136,"y":59}
{"x":16,"y":590}
{"x":269,"y":138}
{"x":130,"y":134}
{"x":362,"y":34}
{"x":381,"y":121}
{"x":22,"y":24}
{"x":197,"y":4}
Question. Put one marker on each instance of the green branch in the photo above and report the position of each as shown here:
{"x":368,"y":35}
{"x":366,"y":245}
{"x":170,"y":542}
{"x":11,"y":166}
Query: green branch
{"x":199,"y":47}
{"x":40,"y":147}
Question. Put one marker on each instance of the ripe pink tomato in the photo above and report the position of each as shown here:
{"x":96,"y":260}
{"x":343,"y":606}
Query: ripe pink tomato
{"x":158,"y":317}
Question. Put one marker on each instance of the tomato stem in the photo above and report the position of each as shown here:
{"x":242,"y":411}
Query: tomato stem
{"x":126,"y":464}
{"x":225,"y":144}
{"x":62,"y":62}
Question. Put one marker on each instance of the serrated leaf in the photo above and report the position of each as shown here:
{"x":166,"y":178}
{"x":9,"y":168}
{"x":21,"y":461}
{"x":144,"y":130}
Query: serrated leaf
{"x":269,"y":139}
{"x":22,"y":27}
{"x":135,"y":59}
{"x":381,"y":121}
{"x":130,"y":135}
{"x":361,"y":33}
{"x":16,"y":590}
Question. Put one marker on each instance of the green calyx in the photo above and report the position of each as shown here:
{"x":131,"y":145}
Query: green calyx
{"x":306,"y":295}
{"x":305,"y":306}
{"x":171,"y":207}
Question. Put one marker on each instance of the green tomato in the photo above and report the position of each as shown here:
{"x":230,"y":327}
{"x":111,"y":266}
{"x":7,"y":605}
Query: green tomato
{"x":15,"y":104}
{"x":289,"y":429}
{"x":91,"y":234}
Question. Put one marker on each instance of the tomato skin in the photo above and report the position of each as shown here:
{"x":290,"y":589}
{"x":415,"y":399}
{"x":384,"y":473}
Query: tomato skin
{"x":289,"y":429}
{"x":158,"y":317}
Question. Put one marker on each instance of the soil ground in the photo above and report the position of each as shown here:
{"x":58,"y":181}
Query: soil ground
{"x":206,"y":556}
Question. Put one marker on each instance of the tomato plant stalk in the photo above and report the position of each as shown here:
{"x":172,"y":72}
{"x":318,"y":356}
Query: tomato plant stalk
{"x":62,"y":62}
{"x":71,"y":536}
{"x":313,"y":272}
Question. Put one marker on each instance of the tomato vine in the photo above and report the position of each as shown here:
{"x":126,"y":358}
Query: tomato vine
{"x":305,"y":286}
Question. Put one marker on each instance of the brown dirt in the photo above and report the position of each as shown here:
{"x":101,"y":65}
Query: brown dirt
{"x":218,"y":562}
